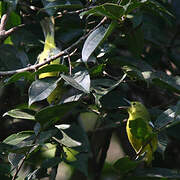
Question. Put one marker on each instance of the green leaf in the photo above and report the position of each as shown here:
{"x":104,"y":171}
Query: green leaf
{"x":77,"y":132}
{"x":50,"y":115}
{"x":158,"y":8}
{"x":162,"y":142}
{"x":124,"y":165}
{"x":9,"y":59}
{"x":81,"y":163}
{"x":144,"y":71}
{"x":51,"y":162}
{"x":96,"y":38}
{"x":80,"y":80}
{"x":37,"y":174}
{"x":52,"y":68}
{"x":103,"y":87}
{"x":110,"y":10}
{"x":41,"y":89}
{"x":15,"y":159}
{"x":112,"y":100}
{"x":158,"y":172}
{"x":18,"y":76}
{"x":21,"y":114}
{"x":14,"y":139}
{"x":22,"y":142}
{"x":51,"y":6}
{"x":177,"y":110}
{"x":167,"y":119}
{"x":66,"y":140}
{"x":5,"y":147}
{"x":46,"y":135}
{"x":135,"y":41}
{"x":72,"y":98}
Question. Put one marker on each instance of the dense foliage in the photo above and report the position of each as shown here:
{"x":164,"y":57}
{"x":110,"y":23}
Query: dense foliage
{"x":109,"y":50}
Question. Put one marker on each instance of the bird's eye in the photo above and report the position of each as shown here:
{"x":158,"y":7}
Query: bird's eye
{"x":133,"y":103}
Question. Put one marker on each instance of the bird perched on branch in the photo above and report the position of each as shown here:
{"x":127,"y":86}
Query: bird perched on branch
{"x":140,"y":132}
{"x":49,"y":50}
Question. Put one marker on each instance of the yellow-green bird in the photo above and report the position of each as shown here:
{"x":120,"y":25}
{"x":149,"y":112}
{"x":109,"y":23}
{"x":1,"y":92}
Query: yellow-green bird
{"x":49,"y":50}
{"x":140,"y":132}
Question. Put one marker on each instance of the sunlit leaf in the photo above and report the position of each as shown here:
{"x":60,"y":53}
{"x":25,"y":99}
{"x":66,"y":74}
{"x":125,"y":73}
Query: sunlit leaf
{"x":80,"y":80}
{"x":41,"y":89}
{"x":95,"y":39}
{"x":21,"y":114}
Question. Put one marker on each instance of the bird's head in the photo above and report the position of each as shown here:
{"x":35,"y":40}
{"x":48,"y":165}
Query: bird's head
{"x":136,"y":107}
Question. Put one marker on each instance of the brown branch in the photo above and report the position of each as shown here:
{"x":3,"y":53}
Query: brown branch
{"x":4,"y":21}
{"x":3,"y":33}
{"x":10,"y":31}
{"x":48,"y":60}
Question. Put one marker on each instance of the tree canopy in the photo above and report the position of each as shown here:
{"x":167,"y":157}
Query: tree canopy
{"x":108,"y":50}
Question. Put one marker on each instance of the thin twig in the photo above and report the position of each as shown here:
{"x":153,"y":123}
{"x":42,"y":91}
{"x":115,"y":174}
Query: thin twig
{"x":70,"y":67}
{"x":10,"y":31}
{"x":24,"y":158}
{"x":48,"y":60}
{"x":20,"y":166}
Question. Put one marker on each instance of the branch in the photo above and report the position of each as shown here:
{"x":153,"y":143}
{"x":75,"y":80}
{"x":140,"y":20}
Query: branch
{"x":3,"y":33}
{"x":48,"y":60}
{"x":4,"y":21}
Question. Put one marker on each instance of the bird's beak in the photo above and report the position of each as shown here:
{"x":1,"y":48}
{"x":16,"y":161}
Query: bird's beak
{"x":127,"y":101}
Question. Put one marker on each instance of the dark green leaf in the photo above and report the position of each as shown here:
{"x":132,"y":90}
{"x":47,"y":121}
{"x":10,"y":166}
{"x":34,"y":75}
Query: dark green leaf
{"x":96,"y":38}
{"x":167,"y":118}
{"x":41,"y":89}
{"x":162,"y":142}
{"x":51,"y":162}
{"x":79,"y":135}
{"x":15,"y":159}
{"x":81,"y":163}
{"x":124,"y":165}
{"x":66,"y":140}
{"x":109,"y":102}
{"x":46,"y":135}
{"x":9,"y":59}
{"x":80,"y":80}
{"x":51,"y":6}
{"x":5,"y":147}
{"x":52,"y":68}
{"x":37,"y":173}
{"x":51,"y":115}
{"x":25,"y":75}
{"x":110,"y":10}
{"x":135,"y":42}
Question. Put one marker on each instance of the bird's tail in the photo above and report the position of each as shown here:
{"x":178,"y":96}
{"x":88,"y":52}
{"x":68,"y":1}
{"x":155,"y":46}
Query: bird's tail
{"x":48,"y":29}
{"x":150,"y":149}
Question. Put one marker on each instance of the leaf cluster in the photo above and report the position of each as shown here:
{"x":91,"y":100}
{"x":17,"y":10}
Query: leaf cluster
{"x":110,"y":50}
